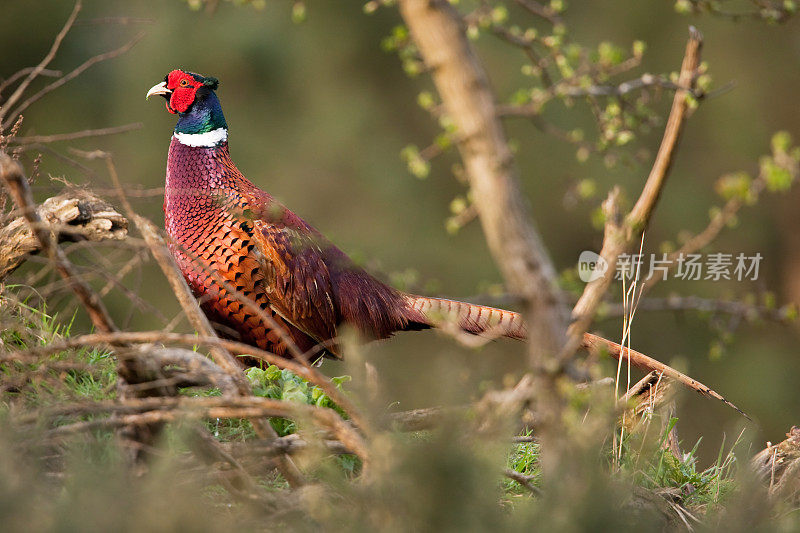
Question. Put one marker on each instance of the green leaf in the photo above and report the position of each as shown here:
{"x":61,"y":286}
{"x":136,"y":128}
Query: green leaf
{"x":341,"y":380}
{"x":735,"y":185}
{"x":256,"y":376}
{"x":295,"y":392}
{"x":587,"y":188}
{"x":499,"y":14}
{"x":418,"y":166}
{"x":299,"y":12}
{"x":609,"y":54}
{"x":426,"y":100}
{"x":684,"y":7}
{"x":781,"y":142}
{"x":777,"y":177}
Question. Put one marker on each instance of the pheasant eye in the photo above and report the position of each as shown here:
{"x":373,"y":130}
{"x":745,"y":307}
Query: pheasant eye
{"x":184,"y":83}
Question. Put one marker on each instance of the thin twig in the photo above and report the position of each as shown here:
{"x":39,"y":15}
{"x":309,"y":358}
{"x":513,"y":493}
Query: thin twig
{"x":17,"y":94}
{"x":70,"y":76}
{"x":620,"y":234}
{"x":539,"y":10}
{"x":641,"y":361}
{"x":24,"y":72}
{"x":42,"y":139}
{"x":522,"y":479}
{"x":122,"y":21}
{"x":708,"y":305}
{"x":145,"y":411}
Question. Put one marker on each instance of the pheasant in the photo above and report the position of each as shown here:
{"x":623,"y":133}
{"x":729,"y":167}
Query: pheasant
{"x":232,"y":240}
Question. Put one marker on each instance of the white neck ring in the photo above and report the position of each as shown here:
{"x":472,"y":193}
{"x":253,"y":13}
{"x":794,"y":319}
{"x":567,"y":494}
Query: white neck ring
{"x":208,"y":139}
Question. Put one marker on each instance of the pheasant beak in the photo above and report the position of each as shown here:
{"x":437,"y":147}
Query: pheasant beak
{"x":161,"y":88}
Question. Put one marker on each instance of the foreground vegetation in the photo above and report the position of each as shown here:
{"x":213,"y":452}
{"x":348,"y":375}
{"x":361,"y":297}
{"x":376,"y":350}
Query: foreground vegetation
{"x":417,"y":479}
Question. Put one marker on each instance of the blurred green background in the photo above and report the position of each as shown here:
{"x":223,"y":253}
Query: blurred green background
{"x":318,"y":115}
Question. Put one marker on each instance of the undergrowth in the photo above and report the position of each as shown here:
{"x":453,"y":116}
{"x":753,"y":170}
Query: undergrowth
{"x":89,"y":375}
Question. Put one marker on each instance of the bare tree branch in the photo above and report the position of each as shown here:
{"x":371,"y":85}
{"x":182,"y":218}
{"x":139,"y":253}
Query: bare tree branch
{"x":522,"y":479}
{"x":64,"y":79}
{"x":17,"y":94}
{"x":641,"y":361}
{"x":620,"y":234}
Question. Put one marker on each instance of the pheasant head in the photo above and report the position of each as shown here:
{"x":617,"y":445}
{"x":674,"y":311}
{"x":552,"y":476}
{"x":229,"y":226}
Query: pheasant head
{"x":194,"y":99}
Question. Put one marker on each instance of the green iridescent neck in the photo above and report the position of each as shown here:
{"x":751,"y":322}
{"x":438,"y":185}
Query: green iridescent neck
{"x":204,"y":115}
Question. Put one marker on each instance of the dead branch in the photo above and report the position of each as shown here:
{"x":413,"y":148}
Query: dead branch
{"x":522,"y":479}
{"x":157,"y":410}
{"x":211,"y":451}
{"x":420,"y":419}
{"x":290,"y":444}
{"x":596,"y":344}
{"x":619,"y":234}
{"x":651,"y":393}
{"x":19,"y":190}
{"x":74,"y":215}
{"x":779,"y":465}
{"x":182,"y":367}
{"x":123,"y":338}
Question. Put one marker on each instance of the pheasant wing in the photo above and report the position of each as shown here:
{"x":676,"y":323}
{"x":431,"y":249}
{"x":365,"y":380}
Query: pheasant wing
{"x":297,"y":280}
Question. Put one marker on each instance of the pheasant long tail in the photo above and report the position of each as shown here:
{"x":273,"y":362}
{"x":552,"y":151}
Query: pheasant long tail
{"x":471,"y":318}
{"x":491,"y":322}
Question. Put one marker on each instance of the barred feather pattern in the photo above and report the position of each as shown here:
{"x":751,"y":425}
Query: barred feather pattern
{"x":210,"y":238}
{"x":471,"y":318}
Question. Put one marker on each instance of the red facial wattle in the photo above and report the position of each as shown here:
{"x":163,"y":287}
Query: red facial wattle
{"x":183,"y":87}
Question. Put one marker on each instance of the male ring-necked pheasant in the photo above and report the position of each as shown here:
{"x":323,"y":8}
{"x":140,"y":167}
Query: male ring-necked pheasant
{"x":223,"y":227}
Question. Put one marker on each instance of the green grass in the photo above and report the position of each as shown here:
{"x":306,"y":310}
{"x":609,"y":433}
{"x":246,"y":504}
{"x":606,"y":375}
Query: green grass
{"x":50,"y":381}
{"x":524,"y":458}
